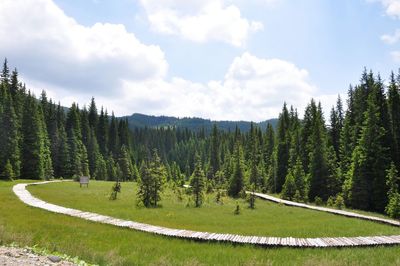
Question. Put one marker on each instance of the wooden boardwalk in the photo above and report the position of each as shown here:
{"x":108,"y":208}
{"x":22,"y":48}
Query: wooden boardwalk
{"x":26,"y":197}
{"x":324,"y":209}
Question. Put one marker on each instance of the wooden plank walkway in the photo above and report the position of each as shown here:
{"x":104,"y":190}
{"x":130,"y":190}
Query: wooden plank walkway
{"x":27,"y":198}
{"x":324,"y":209}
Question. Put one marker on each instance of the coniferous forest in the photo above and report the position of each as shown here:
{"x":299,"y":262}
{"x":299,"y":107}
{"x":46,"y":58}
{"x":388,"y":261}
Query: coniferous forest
{"x":343,"y":156}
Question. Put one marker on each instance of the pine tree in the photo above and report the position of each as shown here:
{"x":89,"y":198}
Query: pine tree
{"x":152,"y":179}
{"x":214,"y":151}
{"x":392,"y":180}
{"x":158,"y":176}
{"x":125,"y":164}
{"x":282,"y":149}
{"x":9,"y":135}
{"x":394,"y":112}
{"x":318,"y":167}
{"x":300,"y":180}
{"x":364,"y":188}
{"x":307,"y":128}
{"x":289,"y":188}
{"x":237,"y":181}
{"x":93,"y":153}
{"x":93,"y":116}
{"x":197,"y":183}
{"x":135,"y":173}
{"x":113,"y":137}
{"x":5,"y":74}
{"x":100,"y":172}
{"x":32,"y":158}
{"x":145,"y":183}
{"x":111,"y":170}
{"x":102,"y":132}
{"x":8,"y":173}
{"x":45,"y":147}
{"x":63,"y":163}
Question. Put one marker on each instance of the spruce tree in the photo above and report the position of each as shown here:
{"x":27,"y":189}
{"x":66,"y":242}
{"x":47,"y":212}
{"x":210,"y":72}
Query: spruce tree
{"x":102,"y":132}
{"x":125,"y":164}
{"x":9,"y":134}
{"x":392,"y":181}
{"x":93,"y":116}
{"x":318,"y":165}
{"x":237,"y":180}
{"x":214,"y":151}
{"x":282,"y":149}
{"x":31,"y":153}
{"x":197,"y":183}
{"x":366,"y":187}
{"x":113,"y":137}
{"x":289,"y":188}
{"x":394,"y":113}
{"x":8,"y":173}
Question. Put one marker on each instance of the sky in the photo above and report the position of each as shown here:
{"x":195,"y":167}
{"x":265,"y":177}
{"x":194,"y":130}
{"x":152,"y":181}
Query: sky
{"x":217,"y":59}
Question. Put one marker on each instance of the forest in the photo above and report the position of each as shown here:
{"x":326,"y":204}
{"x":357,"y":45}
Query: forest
{"x":352,"y":158}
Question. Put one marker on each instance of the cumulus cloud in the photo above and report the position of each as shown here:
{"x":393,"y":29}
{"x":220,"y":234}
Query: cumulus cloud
{"x":252,"y":89}
{"x":392,"y":7}
{"x":73,"y":62}
{"x":391,"y":39}
{"x":200,"y":20}
{"x":47,"y":44}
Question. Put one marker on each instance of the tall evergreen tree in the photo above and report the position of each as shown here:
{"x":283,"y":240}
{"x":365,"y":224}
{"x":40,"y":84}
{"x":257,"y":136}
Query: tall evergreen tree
{"x":365,"y":187}
{"x":197,"y":182}
{"x":282,"y":149}
{"x":102,"y":132}
{"x":318,"y":167}
{"x":214,"y":151}
{"x":32,"y":158}
{"x":394,"y":113}
{"x":237,"y":181}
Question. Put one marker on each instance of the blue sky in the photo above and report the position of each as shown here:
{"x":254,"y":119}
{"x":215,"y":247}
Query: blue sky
{"x":219,"y":59}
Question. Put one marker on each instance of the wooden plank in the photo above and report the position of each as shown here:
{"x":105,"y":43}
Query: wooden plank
{"x":27,"y":198}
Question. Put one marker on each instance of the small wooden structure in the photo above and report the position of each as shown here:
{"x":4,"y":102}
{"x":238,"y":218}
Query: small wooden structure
{"x":84,"y":180}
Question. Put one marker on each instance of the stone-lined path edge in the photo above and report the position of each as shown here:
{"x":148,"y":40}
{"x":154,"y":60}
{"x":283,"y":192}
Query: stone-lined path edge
{"x":25,"y":196}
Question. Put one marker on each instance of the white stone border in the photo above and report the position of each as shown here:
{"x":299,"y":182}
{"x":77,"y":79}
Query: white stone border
{"x":27,"y":198}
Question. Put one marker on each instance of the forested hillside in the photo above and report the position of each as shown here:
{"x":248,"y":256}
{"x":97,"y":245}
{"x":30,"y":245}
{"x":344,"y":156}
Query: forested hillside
{"x":192,"y":123}
{"x":354,"y":157}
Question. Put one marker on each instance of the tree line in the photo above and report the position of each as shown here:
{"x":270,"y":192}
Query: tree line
{"x":40,"y":139}
{"x":352,"y":159}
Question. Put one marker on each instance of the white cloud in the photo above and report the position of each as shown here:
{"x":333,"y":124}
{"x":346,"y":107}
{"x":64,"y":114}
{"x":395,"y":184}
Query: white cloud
{"x":392,"y":7}
{"x":200,"y":20}
{"x":47,"y":44}
{"x":252,"y":89}
{"x":391,"y":39}
{"x":73,"y":62}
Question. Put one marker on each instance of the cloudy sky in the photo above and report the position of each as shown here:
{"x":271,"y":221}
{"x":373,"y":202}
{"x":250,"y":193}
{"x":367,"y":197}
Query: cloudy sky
{"x":218,"y":59}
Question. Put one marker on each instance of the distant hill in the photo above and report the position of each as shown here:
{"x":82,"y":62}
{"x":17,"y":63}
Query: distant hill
{"x":192,"y":123}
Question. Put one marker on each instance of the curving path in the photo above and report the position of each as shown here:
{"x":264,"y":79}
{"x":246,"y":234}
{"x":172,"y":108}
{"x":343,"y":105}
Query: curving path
{"x":26,"y":197}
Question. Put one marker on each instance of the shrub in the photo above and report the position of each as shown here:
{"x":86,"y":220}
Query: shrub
{"x":115,"y":190}
{"x":318,"y":201}
{"x":331,"y":201}
{"x":393,"y":207}
{"x":297,"y":196}
{"x":237,"y":209}
{"x":339,"y":202}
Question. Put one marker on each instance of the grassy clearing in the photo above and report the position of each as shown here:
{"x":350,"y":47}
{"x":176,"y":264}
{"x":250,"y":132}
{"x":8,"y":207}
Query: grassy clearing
{"x":268,"y":219}
{"x":108,"y":245}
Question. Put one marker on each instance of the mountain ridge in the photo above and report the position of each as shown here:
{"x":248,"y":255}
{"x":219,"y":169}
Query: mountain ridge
{"x":138,"y":120}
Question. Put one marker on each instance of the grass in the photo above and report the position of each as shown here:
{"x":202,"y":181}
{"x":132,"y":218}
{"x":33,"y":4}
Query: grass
{"x":108,"y":245}
{"x":268,"y":219}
